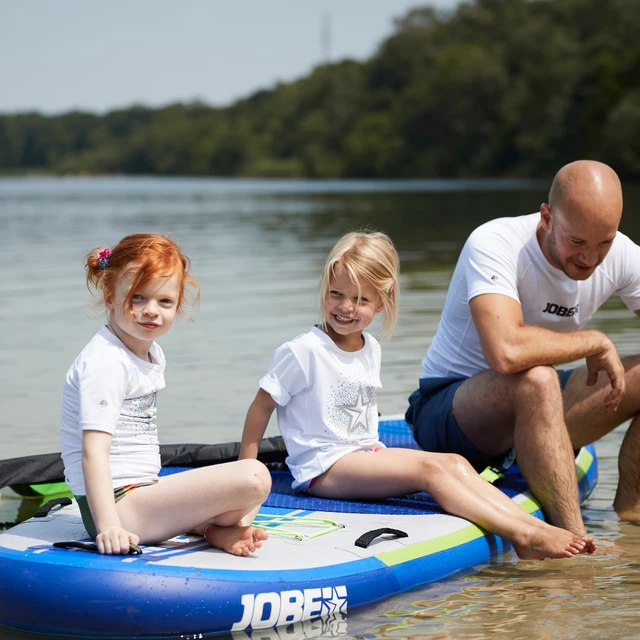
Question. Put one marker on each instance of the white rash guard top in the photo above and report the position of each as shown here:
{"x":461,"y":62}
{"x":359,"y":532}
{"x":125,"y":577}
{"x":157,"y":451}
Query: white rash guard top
{"x":110,"y":389}
{"x":327,"y":401}
{"x":504,"y":257}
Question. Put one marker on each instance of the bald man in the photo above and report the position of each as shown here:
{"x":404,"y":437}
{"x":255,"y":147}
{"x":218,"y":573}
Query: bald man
{"x":520,"y":295}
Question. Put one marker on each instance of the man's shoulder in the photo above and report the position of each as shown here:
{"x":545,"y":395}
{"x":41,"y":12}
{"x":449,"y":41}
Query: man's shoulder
{"x":501,"y":239}
{"x":623,"y":244}
{"x":517,"y":227}
{"x":622,"y":260}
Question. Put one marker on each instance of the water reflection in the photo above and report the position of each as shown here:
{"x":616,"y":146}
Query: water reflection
{"x":257,"y":248}
{"x":527,"y":600}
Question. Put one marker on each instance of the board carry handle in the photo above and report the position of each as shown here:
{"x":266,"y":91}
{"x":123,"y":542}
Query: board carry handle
{"x":367,"y":538}
{"x":46,"y":508}
{"x":134,"y":549}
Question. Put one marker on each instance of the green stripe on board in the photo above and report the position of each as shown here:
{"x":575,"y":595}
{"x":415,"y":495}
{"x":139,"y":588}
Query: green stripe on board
{"x":529,"y":505}
{"x":421,"y":549}
{"x":583,"y":463}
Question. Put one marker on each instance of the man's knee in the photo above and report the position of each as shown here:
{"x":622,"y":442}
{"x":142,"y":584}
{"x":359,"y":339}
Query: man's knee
{"x":540,"y":381}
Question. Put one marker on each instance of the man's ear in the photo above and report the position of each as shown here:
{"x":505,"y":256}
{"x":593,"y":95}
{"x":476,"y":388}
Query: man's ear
{"x":545,"y":216}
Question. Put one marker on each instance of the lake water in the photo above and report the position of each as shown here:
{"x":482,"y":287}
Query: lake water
{"x":257,"y":248}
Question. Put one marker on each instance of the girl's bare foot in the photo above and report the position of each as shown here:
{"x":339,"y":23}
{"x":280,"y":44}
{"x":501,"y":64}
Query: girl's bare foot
{"x":236,"y":540}
{"x":536,"y":543}
{"x":589,"y":545}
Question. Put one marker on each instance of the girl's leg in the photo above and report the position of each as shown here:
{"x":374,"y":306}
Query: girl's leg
{"x":221,"y":499}
{"x":485,"y":490}
{"x":394,"y":472}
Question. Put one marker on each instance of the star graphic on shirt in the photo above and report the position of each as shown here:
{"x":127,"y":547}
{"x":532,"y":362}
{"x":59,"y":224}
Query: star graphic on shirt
{"x":357,"y":412}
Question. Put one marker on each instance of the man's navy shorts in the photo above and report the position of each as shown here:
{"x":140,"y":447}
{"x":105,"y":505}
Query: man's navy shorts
{"x":435,"y":428}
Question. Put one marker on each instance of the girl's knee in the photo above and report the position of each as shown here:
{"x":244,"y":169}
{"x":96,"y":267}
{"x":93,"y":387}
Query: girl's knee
{"x":258,"y":479}
{"x":459,"y":464}
{"x":446,"y":464}
{"x":432,"y":464}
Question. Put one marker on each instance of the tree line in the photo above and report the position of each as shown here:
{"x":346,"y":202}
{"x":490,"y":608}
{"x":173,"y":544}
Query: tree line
{"x":494,"y":88}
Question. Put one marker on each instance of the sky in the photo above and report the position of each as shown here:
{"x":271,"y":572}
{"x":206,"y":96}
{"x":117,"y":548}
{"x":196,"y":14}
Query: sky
{"x":59,"y":55}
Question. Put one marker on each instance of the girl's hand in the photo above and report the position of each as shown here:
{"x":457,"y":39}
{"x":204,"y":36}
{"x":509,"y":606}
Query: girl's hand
{"x":115,"y":541}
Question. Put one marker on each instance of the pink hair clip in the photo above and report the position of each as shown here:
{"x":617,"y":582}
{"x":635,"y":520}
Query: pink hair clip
{"x":103,"y":257}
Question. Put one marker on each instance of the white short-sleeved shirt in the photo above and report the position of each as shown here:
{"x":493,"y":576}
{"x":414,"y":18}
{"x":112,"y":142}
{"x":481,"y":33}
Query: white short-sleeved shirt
{"x":503,"y":256}
{"x":110,"y":389}
{"x":327,"y":400}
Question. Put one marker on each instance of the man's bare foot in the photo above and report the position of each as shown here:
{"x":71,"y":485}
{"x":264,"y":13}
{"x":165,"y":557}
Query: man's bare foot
{"x":236,"y":540}
{"x":552,"y":542}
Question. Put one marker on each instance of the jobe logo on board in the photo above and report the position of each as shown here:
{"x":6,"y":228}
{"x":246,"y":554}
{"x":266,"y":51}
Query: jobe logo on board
{"x":559,"y":310}
{"x":273,"y":609}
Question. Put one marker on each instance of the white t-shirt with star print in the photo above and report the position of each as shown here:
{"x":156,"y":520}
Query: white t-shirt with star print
{"x":327,"y":401}
{"x":110,"y":389}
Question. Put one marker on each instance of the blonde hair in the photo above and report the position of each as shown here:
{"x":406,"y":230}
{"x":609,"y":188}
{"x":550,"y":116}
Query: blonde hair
{"x":370,"y":257}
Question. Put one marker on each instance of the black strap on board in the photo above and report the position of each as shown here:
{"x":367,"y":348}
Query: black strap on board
{"x":134,"y":549}
{"x":367,"y":538}
{"x":46,"y":508}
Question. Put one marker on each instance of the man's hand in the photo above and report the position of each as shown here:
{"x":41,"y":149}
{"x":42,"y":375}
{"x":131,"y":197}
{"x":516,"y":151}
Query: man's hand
{"x":608,"y":360}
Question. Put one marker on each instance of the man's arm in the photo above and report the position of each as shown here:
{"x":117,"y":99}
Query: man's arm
{"x":509,"y":346}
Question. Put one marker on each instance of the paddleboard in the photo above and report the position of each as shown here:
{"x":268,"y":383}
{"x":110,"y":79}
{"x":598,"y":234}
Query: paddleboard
{"x":323,"y":558}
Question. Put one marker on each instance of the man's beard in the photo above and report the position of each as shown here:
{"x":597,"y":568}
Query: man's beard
{"x":552,"y":248}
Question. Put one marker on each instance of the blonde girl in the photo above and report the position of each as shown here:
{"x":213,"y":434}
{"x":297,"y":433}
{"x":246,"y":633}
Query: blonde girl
{"x":108,"y":434}
{"x":324,"y":385}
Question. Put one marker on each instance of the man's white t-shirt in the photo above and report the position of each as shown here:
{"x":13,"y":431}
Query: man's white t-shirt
{"x":110,"y":389}
{"x":327,"y":401}
{"x":504,"y":257}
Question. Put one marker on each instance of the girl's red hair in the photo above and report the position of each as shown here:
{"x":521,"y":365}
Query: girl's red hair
{"x":149,"y":256}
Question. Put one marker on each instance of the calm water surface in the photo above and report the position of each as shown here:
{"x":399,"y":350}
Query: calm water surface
{"x":257,"y":248}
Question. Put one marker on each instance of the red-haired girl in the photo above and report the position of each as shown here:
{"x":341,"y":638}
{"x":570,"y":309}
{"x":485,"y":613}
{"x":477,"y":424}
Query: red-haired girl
{"x":108,"y":433}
